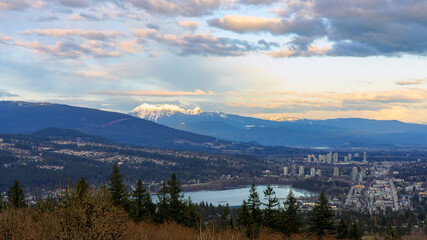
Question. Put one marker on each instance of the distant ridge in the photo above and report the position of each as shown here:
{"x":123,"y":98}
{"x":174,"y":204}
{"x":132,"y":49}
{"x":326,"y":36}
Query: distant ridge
{"x":291,"y":132}
{"x":25,"y":117}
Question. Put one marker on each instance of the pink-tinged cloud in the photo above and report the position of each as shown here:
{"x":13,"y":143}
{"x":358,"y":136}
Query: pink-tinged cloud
{"x":87,"y":34}
{"x":409,"y":82}
{"x":156,"y":93}
{"x":174,"y":7}
{"x":189,"y":24}
{"x":16,"y":5}
{"x":243,"y":24}
{"x":88,"y":49}
{"x":311,"y":50}
{"x":5,"y":38}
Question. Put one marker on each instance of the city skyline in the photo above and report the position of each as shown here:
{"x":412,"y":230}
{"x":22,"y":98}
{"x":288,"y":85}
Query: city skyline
{"x":261,"y":58}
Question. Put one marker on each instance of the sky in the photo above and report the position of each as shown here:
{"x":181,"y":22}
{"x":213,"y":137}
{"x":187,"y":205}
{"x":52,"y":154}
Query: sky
{"x":314,"y":59}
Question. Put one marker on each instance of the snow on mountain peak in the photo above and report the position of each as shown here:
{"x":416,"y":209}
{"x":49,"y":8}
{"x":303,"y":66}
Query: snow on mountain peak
{"x":154,"y":112}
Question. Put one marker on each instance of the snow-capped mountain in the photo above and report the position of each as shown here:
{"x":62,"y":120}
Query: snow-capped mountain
{"x":154,"y":113}
{"x":282,"y":130}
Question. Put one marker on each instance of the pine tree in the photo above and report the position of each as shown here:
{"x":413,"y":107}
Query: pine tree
{"x":117,"y":188}
{"x":245,"y":219}
{"x":16,"y":196}
{"x":190,"y":216}
{"x":254,"y":205}
{"x":389,"y":231}
{"x":1,"y":202}
{"x":354,"y":232}
{"x":225,"y":219}
{"x":162,"y":204}
{"x":342,"y":230}
{"x":321,"y":220}
{"x":141,"y":205}
{"x":81,"y":189}
{"x":176,"y":204}
{"x":270,"y":211}
{"x":291,"y":217}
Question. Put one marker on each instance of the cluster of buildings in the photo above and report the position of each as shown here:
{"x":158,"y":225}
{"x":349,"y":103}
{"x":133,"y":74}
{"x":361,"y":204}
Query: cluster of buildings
{"x":301,"y":171}
{"x":333,"y":158}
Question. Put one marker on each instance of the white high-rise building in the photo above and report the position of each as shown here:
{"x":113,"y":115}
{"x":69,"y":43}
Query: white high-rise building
{"x":309,"y":158}
{"x":319,"y":172}
{"x":365,"y":157}
{"x":285,"y":171}
{"x":335,"y":157}
{"x":336,"y":172}
{"x":301,"y":171}
{"x":349,"y":157}
{"x":312,"y":172}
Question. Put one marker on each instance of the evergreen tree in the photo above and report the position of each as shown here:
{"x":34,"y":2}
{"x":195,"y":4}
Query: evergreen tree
{"x":16,"y":196}
{"x":245,"y":219}
{"x":321,"y":220}
{"x":270,"y":211}
{"x":342,"y":230}
{"x":141,"y":205}
{"x":176,"y":205}
{"x":225,"y":219}
{"x":117,"y":188}
{"x":389,"y":232}
{"x":162,"y":204}
{"x":291,"y":217}
{"x":81,"y":189}
{"x":254,"y":205}
{"x":1,"y":202}
{"x":354,"y":232}
{"x":191,"y":218}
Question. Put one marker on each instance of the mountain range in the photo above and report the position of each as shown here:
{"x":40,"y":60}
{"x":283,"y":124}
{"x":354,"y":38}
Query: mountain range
{"x":25,"y":117}
{"x":301,"y":132}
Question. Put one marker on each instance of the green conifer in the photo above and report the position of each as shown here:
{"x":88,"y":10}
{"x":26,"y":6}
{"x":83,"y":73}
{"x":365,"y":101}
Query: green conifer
{"x":354,"y":232}
{"x":117,"y":188}
{"x":321,"y":221}
{"x":141,"y":205}
{"x":16,"y":196}
{"x":270,"y":211}
{"x":292,"y":219}
{"x":342,"y":230}
{"x":81,"y":189}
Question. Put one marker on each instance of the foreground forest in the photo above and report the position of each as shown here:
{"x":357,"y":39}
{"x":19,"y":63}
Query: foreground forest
{"x":112,"y":212}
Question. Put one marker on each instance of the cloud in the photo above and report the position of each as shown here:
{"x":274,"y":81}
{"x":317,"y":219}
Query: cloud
{"x":16,"y":5}
{"x":202,"y":44}
{"x":88,"y":34}
{"x":189,"y":24}
{"x":259,"y":2}
{"x":71,"y":49}
{"x":312,"y":50}
{"x":409,"y":82}
{"x":48,"y":18}
{"x":75,"y":3}
{"x":354,"y":28}
{"x":4,"y":38}
{"x":4,"y":93}
{"x":157,"y":93}
{"x":190,"y":8}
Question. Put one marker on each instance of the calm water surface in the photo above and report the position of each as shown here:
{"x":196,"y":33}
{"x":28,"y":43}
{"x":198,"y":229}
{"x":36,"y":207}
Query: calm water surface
{"x":235,"y":197}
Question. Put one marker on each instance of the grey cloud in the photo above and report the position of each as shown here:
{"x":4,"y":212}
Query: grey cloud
{"x":259,"y":2}
{"x":75,"y":3}
{"x":4,"y":93}
{"x":177,"y":7}
{"x":356,"y":28}
{"x":268,"y":45}
{"x":48,"y":18}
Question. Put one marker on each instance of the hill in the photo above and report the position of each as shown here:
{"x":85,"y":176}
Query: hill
{"x":304,"y":132}
{"x":24,"y":118}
